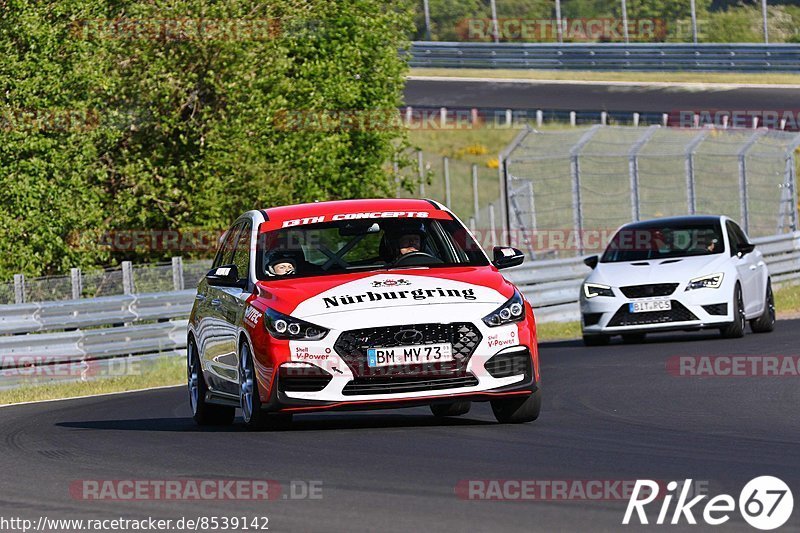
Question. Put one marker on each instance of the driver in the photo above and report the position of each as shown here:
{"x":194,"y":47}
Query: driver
{"x":281,"y":263}
{"x":405,"y":239}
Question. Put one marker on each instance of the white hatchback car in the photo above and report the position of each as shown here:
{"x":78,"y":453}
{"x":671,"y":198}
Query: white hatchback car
{"x":680,"y":273}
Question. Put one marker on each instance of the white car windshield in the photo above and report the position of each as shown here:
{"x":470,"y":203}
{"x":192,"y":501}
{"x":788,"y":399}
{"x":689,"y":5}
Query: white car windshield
{"x":648,"y":241}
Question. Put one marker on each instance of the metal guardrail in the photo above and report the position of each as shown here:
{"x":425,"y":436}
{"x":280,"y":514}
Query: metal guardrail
{"x":608,"y":56}
{"x":145,"y":327}
{"x":554,"y":286}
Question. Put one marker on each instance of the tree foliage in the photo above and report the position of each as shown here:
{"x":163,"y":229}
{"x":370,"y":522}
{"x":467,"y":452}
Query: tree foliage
{"x":186,"y":123}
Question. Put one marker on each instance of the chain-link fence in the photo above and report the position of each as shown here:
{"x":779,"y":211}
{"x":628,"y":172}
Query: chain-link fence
{"x":126,"y":279}
{"x":569,"y":190}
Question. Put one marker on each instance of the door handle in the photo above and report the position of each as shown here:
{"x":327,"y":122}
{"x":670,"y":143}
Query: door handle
{"x":753,"y":267}
{"x":216,"y":302}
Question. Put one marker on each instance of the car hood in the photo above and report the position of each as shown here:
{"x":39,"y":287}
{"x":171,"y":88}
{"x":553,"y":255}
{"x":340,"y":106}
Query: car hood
{"x":675,"y":270}
{"x":360,"y":296}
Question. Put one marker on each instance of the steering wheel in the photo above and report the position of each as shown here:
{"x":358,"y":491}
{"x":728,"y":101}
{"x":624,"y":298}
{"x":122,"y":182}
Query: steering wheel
{"x":416,"y":258}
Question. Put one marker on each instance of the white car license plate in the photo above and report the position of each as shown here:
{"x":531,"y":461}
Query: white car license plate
{"x":648,"y":306}
{"x":409,"y":355}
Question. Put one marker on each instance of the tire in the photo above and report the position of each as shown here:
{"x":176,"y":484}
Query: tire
{"x":766,"y":322}
{"x":516,"y":410}
{"x":735,"y":329}
{"x":204,"y":413}
{"x":634,"y":338}
{"x":441,"y":410}
{"x":596,"y":340}
{"x":255,"y":418}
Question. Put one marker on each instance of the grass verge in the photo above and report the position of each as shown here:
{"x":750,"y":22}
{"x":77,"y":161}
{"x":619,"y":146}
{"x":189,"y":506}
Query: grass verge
{"x":164,"y":372}
{"x":581,"y":75}
{"x":787,"y":300}
{"x":558,"y":331}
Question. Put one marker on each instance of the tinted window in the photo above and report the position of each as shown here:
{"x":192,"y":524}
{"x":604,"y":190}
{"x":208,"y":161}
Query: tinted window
{"x":660,"y":240}
{"x":225,"y":253}
{"x":241,"y":257}
{"x":736,"y":236}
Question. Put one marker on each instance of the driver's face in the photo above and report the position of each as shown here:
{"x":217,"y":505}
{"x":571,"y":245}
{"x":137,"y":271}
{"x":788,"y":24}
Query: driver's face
{"x":409,"y":243}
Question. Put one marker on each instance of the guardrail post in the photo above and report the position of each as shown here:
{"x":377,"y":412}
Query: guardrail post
{"x":177,"y":273}
{"x":446,"y":168}
{"x":665,"y":119}
{"x":127,"y":277}
{"x":573,"y":119}
{"x":443,"y":117}
{"x":77,"y":283}
{"x":19,"y":288}
{"x":509,"y":118}
{"x":603,"y":118}
{"x":539,"y":118}
{"x":636,"y":119}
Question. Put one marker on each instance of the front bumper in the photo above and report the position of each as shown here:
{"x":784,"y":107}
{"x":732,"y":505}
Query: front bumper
{"x":695,"y":309}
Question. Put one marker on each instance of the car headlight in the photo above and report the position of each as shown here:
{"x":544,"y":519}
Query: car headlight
{"x":511,"y":311}
{"x":712,"y":281}
{"x":283,"y":326}
{"x":590,"y":290}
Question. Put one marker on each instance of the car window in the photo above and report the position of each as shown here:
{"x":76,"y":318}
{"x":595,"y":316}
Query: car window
{"x":656,"y":240}
{"x":225,"y":253}
{"x":241,"y":255}
{"x":733,"y":237}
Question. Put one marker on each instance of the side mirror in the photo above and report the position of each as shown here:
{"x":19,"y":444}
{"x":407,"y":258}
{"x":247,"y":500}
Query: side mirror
{"x":745,"y":248}
{"x":591,"y":261}
{"x":506,"y":257}
{"x":225,"y":276}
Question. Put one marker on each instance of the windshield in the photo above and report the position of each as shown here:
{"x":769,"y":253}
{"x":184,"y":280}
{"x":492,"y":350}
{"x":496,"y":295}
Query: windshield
{"x":649,"y":241}
{"x":365,"y":244}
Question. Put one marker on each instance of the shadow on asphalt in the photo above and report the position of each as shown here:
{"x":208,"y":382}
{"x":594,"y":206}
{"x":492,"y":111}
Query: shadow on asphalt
{"x":310,"y":422}
{"x":652,"y":338}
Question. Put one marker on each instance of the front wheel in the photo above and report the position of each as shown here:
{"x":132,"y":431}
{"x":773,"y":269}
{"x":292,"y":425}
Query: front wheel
{"x":250,"y":400}
{"x":204,"y":413}
{"x":766,"y":322}
{"x":735,"y":329}
{"x":518,"y":410}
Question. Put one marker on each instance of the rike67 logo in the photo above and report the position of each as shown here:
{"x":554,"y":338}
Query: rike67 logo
{"x":765,"y":503}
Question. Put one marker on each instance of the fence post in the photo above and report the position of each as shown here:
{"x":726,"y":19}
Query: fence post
{"x":691,"y":191}
{"x":633,"y":166}
{"x":127,"y":277}
{"x":743,"y":199}
{"x":492,"y":225}
{"x":447,"y":198}
{"x":475,"y":204}
{"x":19,"y":288}
{"x":575,"y":173}
{"x":421,"y":172}
{"x":77,"y":282}
{"x":177,"y":273}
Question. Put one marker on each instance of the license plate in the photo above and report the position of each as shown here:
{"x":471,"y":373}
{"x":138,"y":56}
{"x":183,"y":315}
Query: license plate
{"x":649,"y":306}
{"x":409,"y":355}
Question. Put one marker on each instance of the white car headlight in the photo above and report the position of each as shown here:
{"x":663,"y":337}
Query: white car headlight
{"x":590,"y":290}
{"x":711,"y":281}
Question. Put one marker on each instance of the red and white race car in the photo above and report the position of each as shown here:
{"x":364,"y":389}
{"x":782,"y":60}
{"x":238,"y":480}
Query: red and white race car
{"x":359,"y":304}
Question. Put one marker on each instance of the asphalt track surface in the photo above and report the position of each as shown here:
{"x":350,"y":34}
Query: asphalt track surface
{"x":598,"y":97}
{"x":610,"y":413}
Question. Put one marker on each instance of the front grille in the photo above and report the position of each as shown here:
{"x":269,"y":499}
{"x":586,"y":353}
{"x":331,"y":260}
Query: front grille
{"x":393,"y":386}
{"x":645,"y":291}
{"x":464,"y":337}
{"x":716,"y":309}
{"x":678,"y":313}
